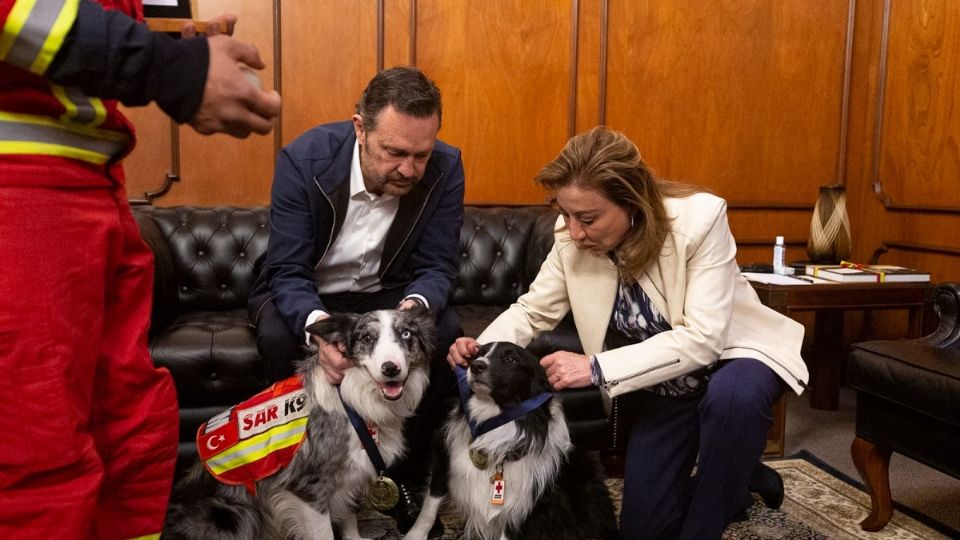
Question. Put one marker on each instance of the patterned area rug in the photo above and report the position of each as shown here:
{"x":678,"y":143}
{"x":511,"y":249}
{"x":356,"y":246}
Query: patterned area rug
{"x":818,"y":505}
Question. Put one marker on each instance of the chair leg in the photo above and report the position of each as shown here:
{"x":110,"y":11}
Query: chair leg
{"x":873,"y":464}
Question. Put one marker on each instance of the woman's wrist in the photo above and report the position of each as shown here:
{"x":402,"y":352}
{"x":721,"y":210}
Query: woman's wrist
{"x":596,"y":372}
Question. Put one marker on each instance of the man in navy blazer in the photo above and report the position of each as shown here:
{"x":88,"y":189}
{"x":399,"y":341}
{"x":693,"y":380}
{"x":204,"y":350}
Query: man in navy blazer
{"x":365,"y":215}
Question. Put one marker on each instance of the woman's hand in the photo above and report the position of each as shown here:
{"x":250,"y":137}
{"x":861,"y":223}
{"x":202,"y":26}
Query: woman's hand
{"x":567,"y":370}
{"x":461,"y":351}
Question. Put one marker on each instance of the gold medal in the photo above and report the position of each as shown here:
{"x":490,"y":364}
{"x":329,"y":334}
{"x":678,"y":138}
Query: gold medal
{"x":479,"y":458}
{"x":383,"y":493}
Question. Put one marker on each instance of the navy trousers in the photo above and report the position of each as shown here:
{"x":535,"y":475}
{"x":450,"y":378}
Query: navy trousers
{"x":281,"y":347}
{"x":721,"y":431}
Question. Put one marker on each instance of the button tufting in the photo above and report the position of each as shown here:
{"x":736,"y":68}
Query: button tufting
{"x":242,"y":254}
{"x":213,"y":376}
{"x":183,"y":288}
{"x":200,"y":253}
{"x":223,"y":286}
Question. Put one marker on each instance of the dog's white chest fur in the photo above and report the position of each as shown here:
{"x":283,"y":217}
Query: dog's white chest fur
{"x":524,"y":478}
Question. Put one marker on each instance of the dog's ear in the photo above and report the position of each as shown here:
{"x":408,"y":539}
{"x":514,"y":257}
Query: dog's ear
{"x":335,"y":328}
{"x":539,"y":382}
{"x":427,"y":328}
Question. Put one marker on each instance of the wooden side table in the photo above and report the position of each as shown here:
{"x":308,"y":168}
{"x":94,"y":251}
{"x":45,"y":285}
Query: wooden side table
{"x":829,"y":302}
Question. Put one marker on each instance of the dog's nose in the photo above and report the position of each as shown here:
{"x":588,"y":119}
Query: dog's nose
{"x":390,"y":369}
{"x":479,"y":365}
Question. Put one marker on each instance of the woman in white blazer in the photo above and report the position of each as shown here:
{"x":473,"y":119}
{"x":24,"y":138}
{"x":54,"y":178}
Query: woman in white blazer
{"x":648,"y":269}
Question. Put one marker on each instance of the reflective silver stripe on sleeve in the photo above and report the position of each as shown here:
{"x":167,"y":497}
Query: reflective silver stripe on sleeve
{"x":33,"y":35}
{"x":28,"y":132}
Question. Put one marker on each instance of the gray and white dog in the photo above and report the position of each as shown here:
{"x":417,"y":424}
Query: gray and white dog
{"x":323,"y":484}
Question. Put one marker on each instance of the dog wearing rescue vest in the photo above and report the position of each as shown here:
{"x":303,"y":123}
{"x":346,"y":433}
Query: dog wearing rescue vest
{"x":295,"y":460}
{"x":505,"y":459}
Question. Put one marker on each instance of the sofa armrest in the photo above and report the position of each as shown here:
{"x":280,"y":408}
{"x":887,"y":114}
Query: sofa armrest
{"x":946,"y":299}
{"x":165,"y":298}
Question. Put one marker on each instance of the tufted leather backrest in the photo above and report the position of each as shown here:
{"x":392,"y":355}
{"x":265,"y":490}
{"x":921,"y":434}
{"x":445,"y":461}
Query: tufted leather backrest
{"x":498,"y":258}
{"x":211,"y":252}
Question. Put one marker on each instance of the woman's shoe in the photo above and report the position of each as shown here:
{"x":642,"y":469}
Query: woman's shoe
{"x":767,"y":483}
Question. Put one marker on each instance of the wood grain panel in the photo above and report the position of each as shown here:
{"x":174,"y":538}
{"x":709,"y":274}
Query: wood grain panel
{"x":503,"y":68}
{"x":399,"y":33}
{"x":329,"y":50}
{"x":148,"y":165}
{"x":590,"y":54}
{"x":919,"y":155}
{"x":742,"y":96}
{"x":220,"y":169}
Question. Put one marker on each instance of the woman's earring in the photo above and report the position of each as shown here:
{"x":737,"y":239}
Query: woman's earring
{"x":631,"y":221}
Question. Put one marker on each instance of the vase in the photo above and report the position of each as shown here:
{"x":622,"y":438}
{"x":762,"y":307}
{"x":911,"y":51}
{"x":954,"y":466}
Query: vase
{"x":829,"y":240}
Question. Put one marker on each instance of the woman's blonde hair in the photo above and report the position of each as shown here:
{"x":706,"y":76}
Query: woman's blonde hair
{"x":608,"y":162}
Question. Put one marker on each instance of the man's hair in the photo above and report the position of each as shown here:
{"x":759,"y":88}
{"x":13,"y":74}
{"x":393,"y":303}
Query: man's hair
{"x":406,"y":88}
{"x":607,"y":161}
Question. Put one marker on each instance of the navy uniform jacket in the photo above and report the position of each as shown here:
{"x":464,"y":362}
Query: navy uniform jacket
{"x":311,"y":189}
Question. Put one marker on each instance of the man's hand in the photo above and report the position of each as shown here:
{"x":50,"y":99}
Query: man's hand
{"x":232,"y":104}
{"x":461,"y":351}
{"x":566,"y":369}
{"x":331,"y":359}
{"x":409,"y":303}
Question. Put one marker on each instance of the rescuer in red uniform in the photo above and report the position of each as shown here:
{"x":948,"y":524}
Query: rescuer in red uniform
{"x":88,"y":426}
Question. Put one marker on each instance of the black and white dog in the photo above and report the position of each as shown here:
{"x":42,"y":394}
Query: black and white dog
{"x":323,"y":484}
{"x":506,"y":460}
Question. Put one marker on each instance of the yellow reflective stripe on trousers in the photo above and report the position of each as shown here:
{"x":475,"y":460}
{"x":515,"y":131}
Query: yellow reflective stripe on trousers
{"x":80,"y":108}
{"x":147,"y":537}
{"x":34,"y":32}
{"x":27,"y":134}
{"x":257,"y":447}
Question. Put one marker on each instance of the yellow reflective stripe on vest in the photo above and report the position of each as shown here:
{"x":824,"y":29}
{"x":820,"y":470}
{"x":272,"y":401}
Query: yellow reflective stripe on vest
{"x":80,"y":108}
{"x":147,"y":537}
{"x":34,"y":32}
{"x":27,"y":134}
{"x":255,"y":448}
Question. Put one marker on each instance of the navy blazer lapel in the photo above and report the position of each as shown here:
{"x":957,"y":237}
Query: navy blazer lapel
{"x":411,"y":206}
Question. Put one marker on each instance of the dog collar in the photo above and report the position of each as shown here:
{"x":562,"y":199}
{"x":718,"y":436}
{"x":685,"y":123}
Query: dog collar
{"x":251,"y":441}
{"x":509,"y":415}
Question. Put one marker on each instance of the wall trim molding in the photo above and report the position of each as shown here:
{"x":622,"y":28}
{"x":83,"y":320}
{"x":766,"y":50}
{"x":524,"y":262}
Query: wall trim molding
{"x":887,"y":245}
{"x":574,"y":68}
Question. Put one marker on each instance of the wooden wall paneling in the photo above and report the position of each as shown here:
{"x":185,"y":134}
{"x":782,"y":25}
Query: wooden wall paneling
{"x":754,"y":230}
{"x":504,"y":70}
{"x":147,"y":167}
{"x":400,"y":33}
{"x":329,"y":53}
{"x":894,"y":209}
{"x":918,"y":155}
{"x":743,"y":97}
{"x":590,"y":33}
{"x":219,"y":169}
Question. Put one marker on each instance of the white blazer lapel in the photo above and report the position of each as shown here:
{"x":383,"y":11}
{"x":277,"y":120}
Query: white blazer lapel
{"x":592,"y":288}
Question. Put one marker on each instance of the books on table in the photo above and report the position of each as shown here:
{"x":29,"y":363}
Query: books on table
{"x":867,"y":273}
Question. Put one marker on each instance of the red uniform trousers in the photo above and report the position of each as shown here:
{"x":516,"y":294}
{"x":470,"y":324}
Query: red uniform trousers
{"x":88,"y":425}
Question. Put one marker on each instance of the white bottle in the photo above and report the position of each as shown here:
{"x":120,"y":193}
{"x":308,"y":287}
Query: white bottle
{"x":779,"y":251}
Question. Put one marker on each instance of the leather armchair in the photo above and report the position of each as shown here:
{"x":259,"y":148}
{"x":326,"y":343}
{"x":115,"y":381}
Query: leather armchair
{"x":908,"y":401}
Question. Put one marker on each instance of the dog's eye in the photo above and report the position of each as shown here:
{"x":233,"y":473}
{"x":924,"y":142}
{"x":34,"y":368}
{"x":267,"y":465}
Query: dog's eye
{"x":367,"y":338}
{"x":406,"y":334}
{"x":511,"y":359}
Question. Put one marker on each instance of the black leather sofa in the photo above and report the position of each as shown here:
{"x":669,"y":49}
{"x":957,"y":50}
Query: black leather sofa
{"x":204,"y":261}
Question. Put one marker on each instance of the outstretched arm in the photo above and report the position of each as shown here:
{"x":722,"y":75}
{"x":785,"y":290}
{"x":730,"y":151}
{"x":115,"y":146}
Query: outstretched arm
{"x":107,"y":54}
